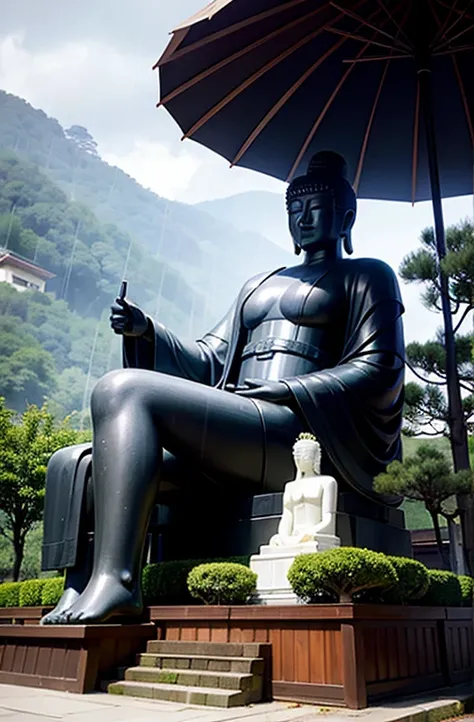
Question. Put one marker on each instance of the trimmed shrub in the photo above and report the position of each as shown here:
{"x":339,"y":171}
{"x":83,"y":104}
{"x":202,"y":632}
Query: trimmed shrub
{"x":222,"y":583}
{"x":10,"y":594}
{"x":30,"y":592}
{"x":444,"y":590}
{"x":467,"y":590}
{"x":52,"y":591}
{"x":413,"y":581}
{"x":167,"y":582}
{"x":342,"y":572}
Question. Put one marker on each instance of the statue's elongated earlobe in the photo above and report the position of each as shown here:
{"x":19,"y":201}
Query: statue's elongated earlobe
{"x":297,"y":250}
{"x":347,"y":243}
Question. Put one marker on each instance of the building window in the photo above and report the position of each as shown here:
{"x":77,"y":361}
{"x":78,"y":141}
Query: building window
{"x":20,"y":281}
{"x":24,"y":284}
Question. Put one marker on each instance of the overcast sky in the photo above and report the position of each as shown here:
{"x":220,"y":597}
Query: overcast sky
{"x":89,"y":63}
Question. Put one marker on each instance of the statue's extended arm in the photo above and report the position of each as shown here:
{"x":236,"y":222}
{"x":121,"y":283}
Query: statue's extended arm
{"x":150,"y":345}
{"x":327,"y":525}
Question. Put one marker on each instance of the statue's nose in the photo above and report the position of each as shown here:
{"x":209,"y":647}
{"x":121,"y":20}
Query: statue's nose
{"x":306,"y":219}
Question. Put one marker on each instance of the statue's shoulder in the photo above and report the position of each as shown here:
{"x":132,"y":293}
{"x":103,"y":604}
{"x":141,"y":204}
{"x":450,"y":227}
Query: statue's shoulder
{"x":372,"y":266}
{"x":379,"y":275}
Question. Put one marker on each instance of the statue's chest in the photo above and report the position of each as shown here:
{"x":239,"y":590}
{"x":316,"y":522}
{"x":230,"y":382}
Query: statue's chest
{"x":303,"y":301}
{"x":305,"y":492}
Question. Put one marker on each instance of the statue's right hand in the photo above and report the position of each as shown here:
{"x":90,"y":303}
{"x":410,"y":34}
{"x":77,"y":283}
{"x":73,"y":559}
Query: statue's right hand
{"x":127,"y":319}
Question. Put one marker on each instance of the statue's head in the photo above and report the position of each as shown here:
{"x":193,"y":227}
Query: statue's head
{"x":307,"y":455}
{"x":322,"y":205}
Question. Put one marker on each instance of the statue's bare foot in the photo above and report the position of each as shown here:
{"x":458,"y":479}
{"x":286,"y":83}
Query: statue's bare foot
{"x":104,"y":597}
{"x":68,"y":598}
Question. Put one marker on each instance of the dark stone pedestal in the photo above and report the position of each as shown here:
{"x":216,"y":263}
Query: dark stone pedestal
{"x":223,"y":524}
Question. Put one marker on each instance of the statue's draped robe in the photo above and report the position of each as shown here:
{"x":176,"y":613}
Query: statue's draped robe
{"x":354,"y":408}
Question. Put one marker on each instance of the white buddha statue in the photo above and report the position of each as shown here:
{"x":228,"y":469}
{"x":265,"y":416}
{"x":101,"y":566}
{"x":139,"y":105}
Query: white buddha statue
{"x":308,"y":524}
{"x":310,"y":501}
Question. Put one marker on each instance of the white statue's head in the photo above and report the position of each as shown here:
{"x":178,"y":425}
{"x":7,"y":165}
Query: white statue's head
{"x":307,"y":455}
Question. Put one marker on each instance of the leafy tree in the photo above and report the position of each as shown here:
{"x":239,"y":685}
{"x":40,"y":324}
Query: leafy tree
{"x":427,"y":408}
{"x":428,"y":477}
{"x":82,"y":138}
{"x":26,"y":369}
{"x":26,"y":444}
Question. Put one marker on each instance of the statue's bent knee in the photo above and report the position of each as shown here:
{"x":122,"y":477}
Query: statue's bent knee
{"x":112,"y":391}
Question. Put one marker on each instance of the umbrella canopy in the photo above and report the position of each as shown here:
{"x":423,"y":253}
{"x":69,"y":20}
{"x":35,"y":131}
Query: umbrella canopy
{"x":267,"y":83}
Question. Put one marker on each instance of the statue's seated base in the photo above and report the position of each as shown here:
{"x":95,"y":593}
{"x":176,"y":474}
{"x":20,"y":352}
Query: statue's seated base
{"x":272,"y":563}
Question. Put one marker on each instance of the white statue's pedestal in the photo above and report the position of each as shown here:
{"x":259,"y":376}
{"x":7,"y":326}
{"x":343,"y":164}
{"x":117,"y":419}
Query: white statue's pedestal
{"x":272,"y":563}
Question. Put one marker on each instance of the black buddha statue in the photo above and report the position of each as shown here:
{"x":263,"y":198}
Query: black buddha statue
{"x":316,"y":347}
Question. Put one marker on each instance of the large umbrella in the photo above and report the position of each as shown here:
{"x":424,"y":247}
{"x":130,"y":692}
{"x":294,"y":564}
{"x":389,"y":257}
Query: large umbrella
{"x":389,"y":84}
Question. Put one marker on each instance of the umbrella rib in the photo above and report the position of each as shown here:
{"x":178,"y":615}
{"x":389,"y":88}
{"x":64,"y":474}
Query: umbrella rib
{"x":445,"y":31}
{"x":455,"y":37}
{"x":283,"y":100}
{"x":464,"y":101}
{"x":462,"y":13}
{"x":367,"y":24}
{"x":251,"y":79}
{"x":377,"y":58}
{"x":321,"y":117}
{"x":442,"y":30}
{"x":231,"y":58}
{"x":352,"y":36}
{"x":416,"y":134}
{"x":397,"y":25}
{"x":369,"y":127}
{"x":229,"y":30}
{"x":176,"y":40}
{"x":452,"y":51}
{"x":286,"y":96}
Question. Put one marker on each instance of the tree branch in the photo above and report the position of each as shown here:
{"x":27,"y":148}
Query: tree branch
{"x":426,"y":381}
{"x":463,"y":318}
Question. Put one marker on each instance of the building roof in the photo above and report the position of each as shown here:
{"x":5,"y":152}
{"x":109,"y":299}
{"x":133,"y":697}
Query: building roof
{"x":12,"y":259}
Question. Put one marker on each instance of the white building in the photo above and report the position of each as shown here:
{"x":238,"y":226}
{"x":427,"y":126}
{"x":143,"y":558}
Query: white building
{"x":22,"y":274}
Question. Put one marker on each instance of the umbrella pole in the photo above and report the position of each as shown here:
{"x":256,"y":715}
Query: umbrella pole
{"x":457,"y":426}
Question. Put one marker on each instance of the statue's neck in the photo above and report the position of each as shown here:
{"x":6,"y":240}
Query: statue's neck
{"x":323,"y":253}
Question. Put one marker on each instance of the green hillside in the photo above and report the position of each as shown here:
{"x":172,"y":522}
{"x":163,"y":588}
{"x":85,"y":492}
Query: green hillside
{"x":211,"y":255}
{"x":88,"y":257}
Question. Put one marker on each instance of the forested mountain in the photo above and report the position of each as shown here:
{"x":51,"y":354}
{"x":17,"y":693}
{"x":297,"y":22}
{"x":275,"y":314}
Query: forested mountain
{"x":90,"y":224}
{"x":211,"y":255}
{"x":87,"y":257}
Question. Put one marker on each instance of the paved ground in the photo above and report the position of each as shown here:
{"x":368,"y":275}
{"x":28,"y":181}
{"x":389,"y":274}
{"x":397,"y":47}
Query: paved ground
{"x":25,"y":704}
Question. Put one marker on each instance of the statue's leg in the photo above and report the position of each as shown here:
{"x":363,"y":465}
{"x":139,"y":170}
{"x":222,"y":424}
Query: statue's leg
{"x":136,"y":413}
{"x":78,"y":575}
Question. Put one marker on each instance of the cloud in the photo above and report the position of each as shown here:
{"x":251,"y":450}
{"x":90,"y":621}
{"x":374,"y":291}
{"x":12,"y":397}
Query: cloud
{"x":154,"y":166}
{"x":86,"y":82}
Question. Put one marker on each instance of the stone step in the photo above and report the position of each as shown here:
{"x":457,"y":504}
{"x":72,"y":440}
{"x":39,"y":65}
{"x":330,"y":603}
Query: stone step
{"x":195,"y":678}
{"x":181,"y":693}
{"x":221,"y":649}
{"x":211,"y":663}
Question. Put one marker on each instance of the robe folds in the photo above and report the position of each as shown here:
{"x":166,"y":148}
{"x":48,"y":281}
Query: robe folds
{"x":353,"y":408}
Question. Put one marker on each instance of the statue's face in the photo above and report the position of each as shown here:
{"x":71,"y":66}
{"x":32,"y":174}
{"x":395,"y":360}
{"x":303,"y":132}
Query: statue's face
{"x":314,"y":221}
{"x":307,"y":459}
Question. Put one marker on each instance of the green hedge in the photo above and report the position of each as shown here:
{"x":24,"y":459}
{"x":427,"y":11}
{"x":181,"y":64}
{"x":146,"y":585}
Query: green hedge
{"x":467,"y":590}
{"x":222,"y":583}
{"x":343,"y":572}
{"x":413,"y":581}
{"x":444,"y":590}
{"x":10,"y":594}
{"x":52,"y":591}
{"x":30,"y":592}
{"x":167,"y":582}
